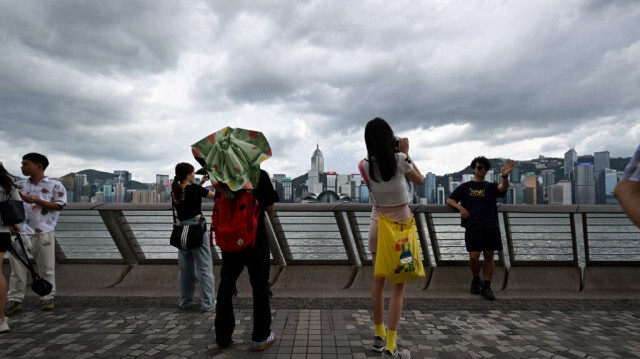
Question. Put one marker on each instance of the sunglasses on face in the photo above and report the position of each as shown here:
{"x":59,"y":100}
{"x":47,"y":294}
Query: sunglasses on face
{"x":481,"y":168}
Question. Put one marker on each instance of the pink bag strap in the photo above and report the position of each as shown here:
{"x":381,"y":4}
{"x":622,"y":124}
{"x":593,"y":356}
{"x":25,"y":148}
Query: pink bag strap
{"x":363,"y":173}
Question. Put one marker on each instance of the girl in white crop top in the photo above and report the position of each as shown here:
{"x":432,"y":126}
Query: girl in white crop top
{"x":387,"y":168}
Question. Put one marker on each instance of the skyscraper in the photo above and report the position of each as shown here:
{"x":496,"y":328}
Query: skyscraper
{"x":314,"y":183}
{"x":548,"y":180}
{"x":162,"y":179}
{"x":80,"y":182}
{"x":584,"y":184}
{"x":440,"y":195}
{"x":317,"y":160}
{"x":122,"y":176}
{"x":430,"y":188}
{"x":600,"y":160}
{"x":531,"y":188}
{"x":607,"y":181}
{"x":560,"y":193}
{"x":570,"y":159}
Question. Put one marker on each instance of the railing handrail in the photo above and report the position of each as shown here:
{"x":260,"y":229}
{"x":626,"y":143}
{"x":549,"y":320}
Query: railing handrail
{"x":560,"y":227}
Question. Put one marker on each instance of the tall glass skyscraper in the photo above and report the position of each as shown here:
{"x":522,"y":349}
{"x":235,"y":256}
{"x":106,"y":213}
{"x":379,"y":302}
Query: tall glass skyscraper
{"x":570,"y":160}
{"x":601,"y":160}
{"x":584,"y":184}
{"x":314,"y":183}
{"x":430,"y":188}
{"x":607,"y":181}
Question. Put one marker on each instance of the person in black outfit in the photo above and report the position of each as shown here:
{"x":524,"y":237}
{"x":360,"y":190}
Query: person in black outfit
{"x":257,"y":261}
{"x":479,"y":213}
{"x":8,"y":190}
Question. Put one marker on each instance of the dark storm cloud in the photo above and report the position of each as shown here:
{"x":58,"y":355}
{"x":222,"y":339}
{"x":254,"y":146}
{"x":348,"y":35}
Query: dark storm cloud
{"x":561,"y":66}
{"x":99,"y":79}
{"x":106,"y":37}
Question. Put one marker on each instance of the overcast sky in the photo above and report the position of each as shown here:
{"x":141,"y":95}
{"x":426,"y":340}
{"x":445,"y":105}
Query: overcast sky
{"x":112,"y":85}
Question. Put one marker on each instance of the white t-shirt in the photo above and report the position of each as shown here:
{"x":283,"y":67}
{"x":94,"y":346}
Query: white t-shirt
{"x":395,"y":191}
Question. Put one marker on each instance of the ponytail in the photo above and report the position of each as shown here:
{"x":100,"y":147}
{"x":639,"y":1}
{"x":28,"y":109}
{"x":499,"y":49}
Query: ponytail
{"x":6,"y":180}
{"x":183,"y":169}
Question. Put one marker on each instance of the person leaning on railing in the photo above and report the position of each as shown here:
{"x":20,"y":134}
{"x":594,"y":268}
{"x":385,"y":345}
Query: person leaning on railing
{"x":628,"y":189}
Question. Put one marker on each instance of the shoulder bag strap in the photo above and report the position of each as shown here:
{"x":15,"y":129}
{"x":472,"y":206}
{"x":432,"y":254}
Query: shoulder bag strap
{"x":26,"y":263}
{"x":365,"y":178}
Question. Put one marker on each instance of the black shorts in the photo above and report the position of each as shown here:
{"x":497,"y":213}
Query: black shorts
{"x":480,"y":239}
{"x":5,"y":241}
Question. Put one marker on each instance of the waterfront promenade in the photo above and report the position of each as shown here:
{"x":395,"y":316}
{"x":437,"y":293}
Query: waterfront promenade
{"x":566,"y":285}
{"x":308,"y":327}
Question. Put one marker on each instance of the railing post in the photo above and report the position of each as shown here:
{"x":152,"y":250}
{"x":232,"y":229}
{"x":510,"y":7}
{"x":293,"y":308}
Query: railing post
{"x":420,"y":222}
{"x":585,"y":236}
{"x":357,"y":236}
{"x":433,"y":236}
{"x":280,"y":237}
{"x":344,"y":234}
{"x":122,"y":235}
{"x":574,"y":237}
{"x":273,"y":240}
{"x":507,"y":233}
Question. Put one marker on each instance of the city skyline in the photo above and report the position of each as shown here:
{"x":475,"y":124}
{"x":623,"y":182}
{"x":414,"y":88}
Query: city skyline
{"x":544,"y":180}
{"x":131,"y":175}
{"x":131,"y":85}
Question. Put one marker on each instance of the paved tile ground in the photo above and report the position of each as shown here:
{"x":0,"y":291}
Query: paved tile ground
{"x":327,"y":329}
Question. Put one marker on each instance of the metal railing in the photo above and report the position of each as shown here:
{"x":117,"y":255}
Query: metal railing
{"x":571,"y":235}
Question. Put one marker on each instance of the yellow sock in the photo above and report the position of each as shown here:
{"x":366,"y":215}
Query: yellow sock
{"x":380,"y":331}
{"x":391,"y":341}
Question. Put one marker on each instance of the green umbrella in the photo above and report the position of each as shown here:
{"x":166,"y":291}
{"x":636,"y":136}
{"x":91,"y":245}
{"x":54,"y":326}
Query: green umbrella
{"x":232,"y":156}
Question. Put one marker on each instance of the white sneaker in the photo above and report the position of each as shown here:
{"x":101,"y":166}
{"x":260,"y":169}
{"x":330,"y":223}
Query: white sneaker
{"x":399,"y":354}
{"x":4,"y":325}
{"x":259,"y":346}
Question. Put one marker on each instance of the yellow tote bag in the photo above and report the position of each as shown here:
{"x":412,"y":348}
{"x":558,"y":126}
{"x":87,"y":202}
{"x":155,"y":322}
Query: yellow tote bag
{"x":398,"y":254}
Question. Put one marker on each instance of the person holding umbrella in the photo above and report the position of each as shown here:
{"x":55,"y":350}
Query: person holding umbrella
{"x":232,"y":157}
{"x":195,"y":264}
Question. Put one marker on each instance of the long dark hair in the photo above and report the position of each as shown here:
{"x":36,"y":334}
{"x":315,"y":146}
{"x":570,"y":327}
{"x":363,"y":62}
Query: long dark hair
{"x":379,"y":138}
{"x":6,"y":180}
{"x":183,"y":169}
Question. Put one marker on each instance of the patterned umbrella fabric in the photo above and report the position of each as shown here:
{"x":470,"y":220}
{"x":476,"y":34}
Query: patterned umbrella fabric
{"x":232,"y":156}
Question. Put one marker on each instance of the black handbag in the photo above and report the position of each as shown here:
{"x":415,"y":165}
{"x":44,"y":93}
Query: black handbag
{"x":187,"y":236}
{"x":39,"y":285}
{"x":11,"y":211}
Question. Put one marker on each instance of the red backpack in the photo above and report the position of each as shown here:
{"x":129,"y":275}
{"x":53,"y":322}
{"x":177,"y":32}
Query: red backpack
{"x":235,"y":221}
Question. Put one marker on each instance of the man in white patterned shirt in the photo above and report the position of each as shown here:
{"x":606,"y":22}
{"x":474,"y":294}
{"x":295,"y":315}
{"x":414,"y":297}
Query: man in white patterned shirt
{"x":43,"y":198}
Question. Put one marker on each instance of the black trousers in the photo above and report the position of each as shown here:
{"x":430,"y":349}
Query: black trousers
{"x":257,"y":261}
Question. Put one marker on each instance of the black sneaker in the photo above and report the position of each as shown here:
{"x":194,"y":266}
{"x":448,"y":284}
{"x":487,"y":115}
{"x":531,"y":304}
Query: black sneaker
{"x":12,"y":307}
{"x":487,"y":293}
{"x":476,"y":286}
{"x":224,"y":345}
{"x":378,"y":344}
